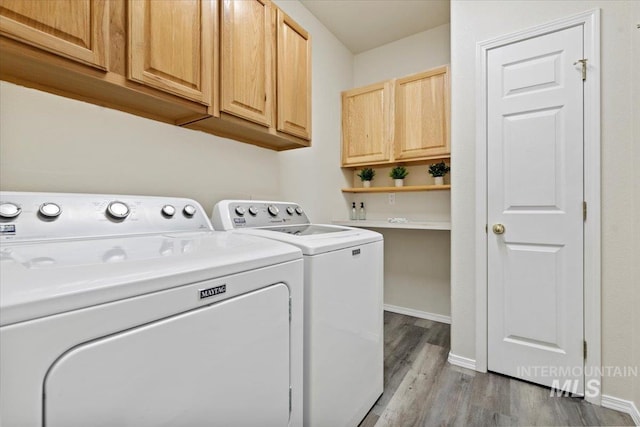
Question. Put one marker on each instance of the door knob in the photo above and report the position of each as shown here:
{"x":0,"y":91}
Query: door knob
{"x":498,"y":228}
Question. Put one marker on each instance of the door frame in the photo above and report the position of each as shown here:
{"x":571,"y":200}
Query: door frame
{"x":590,"y":20}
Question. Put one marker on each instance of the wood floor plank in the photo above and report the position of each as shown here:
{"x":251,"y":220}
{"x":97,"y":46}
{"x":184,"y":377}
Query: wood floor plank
{"x":422,"y":389}
{"x":406,"y":407}
{"x":492,"y":392}
{"x":450,"y":400}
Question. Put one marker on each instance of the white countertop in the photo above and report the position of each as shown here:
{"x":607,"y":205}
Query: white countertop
{"x":411,"y":225}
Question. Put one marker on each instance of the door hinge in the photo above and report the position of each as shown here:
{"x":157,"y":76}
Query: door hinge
{"x":289,"y":309}
{"x":583,"y":62}
{"x":290,"y":400}
{"x":584,"y":349}
{"x":584,"y":211}
{"x":486,"y":229}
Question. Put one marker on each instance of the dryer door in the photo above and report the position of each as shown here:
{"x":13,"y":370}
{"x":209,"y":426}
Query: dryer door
{"x":225,"y":364}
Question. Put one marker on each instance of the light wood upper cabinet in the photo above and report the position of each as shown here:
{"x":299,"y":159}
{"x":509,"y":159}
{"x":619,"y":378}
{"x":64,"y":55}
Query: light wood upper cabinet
{"x":171,"y":46}
{"x":75,"y":29}
{"x":246,"y":80}
{"x":399,"y":120}
{"x":209,"y":65}
{"x":367,"y":124}
{"x":422,"y":115}
{"x":293,"y":47}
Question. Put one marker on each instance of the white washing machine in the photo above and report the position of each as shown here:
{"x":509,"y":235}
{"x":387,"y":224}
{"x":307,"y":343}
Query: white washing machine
{"x":343,"y":307}
{"x":131,"y":311}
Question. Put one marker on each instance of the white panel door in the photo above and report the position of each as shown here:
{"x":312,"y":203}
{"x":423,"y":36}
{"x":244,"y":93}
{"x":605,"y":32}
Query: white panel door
{"x":535,"y":190}
{"x":226,"y":364}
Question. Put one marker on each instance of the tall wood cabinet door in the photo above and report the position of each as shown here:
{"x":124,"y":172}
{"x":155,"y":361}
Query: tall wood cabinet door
{"x":245,"y":55}
{"x":171,"y":46}
{"x":366,"y":124}
{"x":422,"y":115}
{"x":294,"y":78}
{"x":76,"y":29}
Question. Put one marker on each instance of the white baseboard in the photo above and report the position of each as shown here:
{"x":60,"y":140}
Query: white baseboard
{"x":626,"y":406}
{"x":417,"y":313}
{"x":463,"y":362}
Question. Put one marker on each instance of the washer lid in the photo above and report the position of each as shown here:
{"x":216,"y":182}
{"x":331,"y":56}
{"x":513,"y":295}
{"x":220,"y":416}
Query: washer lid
{"x":318,"y":238}
{"x":44,"y":278}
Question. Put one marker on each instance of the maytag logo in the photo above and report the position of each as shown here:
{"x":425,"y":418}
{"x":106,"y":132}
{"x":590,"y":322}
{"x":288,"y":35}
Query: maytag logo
{"x":7,"y":229}
{"x":211,"y":292}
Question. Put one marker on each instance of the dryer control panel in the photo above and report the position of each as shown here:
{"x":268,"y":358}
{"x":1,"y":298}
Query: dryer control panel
{"x":233,"y":214}
{"x":46,"y":216}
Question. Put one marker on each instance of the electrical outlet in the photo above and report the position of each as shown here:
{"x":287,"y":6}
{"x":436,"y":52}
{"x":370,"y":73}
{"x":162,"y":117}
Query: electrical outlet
{"x":392,"y":198}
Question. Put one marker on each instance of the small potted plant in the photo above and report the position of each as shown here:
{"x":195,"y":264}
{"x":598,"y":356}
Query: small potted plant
{"x":438,"y":171}
{"x":399,"y":173}
{"x":366,"y":175}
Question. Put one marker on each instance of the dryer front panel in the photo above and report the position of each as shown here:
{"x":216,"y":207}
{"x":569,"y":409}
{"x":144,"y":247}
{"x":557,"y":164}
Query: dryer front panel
{"x":221,"y":365}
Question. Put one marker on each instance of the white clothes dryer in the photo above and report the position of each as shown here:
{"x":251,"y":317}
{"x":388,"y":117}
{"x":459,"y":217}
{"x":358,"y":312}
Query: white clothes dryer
{"x":343,"y":308}
{"x":131,"y":311}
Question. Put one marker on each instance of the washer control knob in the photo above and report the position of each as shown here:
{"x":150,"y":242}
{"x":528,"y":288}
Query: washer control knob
{"x":9,"y":210}
{"x":240,"y":211}
{"x":290,"y":210}
{"x":253,"y":211}
{"x":189,"y":211}
{"x":299,"y":210}
{"x":118,"y":210}
{"x":273,"y":210}
{"x":168,"y":210}
{"x":49,"y":210}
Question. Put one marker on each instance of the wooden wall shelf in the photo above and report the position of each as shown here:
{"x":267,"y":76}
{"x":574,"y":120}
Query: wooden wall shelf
{"x":396,"y":189}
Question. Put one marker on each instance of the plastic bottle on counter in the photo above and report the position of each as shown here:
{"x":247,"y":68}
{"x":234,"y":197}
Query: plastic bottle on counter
{"x":363,"y":213}
{"x":354,"y":213}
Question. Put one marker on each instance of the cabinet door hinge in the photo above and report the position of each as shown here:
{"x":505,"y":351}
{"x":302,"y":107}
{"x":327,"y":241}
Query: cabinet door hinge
{"x":583,"y":62}
{"x":584,"y":211}
{"x":584,"y":349}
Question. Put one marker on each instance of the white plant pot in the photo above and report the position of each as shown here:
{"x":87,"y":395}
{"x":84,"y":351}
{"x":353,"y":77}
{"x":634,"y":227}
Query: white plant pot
{"x":366,"y":184}
{"x":399,"y":182}
{"x":439,"y":180}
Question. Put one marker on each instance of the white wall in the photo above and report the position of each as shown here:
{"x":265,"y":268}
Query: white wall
{"x":417,"y":263}
{"x":481,"y":20}
{"x":410,"y":55}
{"x":50,"y":143}
{"x":635,"y":96}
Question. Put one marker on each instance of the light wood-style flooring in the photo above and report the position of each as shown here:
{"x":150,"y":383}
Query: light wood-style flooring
{"x":422,"y":389}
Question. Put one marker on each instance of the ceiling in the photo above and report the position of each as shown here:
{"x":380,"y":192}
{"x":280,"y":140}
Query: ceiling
{"x":365,"y":24}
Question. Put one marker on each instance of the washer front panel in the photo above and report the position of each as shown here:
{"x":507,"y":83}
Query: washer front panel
{"x":225,"y":364}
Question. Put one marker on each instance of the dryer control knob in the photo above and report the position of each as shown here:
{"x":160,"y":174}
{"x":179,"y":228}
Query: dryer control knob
{"x":9,"y":210}
{"x":118,"y":210}
{"x":273,"y":210}
{"x":299,"y":210}
{"x":189,"y":211}
{"x":253,"y":211}
{"x":240,"y":211}
{"x":168,"y":210}
{"x":290,"y":210}
{"x":49,"y":210}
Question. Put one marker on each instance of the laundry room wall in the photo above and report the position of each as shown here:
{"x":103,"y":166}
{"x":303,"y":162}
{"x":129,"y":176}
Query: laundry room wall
{"x":51,"y":143}
{"x":417,"y":262}
{"x":476,"y":21}
{"x":635,"y":95}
